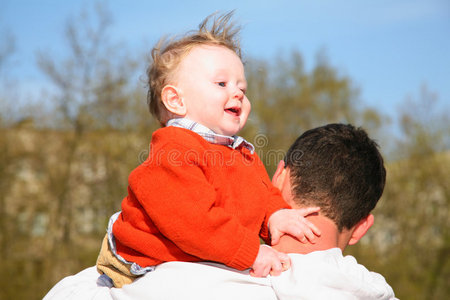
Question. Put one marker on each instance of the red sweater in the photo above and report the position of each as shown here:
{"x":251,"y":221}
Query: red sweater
{"x":195,"y":201}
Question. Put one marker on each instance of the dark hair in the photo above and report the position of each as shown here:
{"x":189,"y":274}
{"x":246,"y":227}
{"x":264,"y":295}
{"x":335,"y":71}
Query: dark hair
{"x":338,"y":168}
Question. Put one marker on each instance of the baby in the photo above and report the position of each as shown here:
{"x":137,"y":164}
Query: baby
{"x":202,"y":194}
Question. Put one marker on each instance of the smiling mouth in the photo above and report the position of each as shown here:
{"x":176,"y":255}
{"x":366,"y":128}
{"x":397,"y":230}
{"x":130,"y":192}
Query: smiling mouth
{"x":236,"y":111}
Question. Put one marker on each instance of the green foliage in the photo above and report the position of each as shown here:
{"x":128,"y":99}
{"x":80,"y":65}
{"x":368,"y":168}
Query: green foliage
{"x":418,"y":199}
{"x":411,"y":232}
{"x":61,"y":180}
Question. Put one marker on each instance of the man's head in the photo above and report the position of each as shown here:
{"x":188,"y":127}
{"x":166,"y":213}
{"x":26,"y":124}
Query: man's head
{"x":200,"y":76}
{"x":338,"y":168}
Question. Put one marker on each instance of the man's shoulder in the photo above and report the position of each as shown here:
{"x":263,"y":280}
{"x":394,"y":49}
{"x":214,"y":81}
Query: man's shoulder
{"x":336,"y":277}
{"x":320,"y":254}
{"x":186,"y":280}
{"x":332,"y":262}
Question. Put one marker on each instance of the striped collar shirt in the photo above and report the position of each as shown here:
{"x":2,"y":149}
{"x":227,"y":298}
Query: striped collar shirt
{"x":231,"y":141}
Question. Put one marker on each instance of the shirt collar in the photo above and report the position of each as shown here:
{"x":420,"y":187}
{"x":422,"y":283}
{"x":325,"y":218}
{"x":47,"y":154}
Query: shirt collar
{"x":231,"y":141}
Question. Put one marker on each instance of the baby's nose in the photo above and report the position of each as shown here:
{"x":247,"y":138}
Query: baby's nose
{"x":239,"y":94}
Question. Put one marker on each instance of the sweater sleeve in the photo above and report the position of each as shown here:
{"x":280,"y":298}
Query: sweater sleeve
{"x":275,"y":202}
{"x":180,"y":201}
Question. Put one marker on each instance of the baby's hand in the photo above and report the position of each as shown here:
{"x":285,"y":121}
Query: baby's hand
{"x":293,"y":222}
{"x":269,"y":261}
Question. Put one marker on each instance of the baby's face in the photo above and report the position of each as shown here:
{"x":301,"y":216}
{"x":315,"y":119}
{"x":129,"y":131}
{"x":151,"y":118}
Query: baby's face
{"x":212,"y":84}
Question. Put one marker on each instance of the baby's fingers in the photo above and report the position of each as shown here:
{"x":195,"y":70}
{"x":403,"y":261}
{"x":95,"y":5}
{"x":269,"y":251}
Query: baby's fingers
{"x":313,"y":228}
{"x":275,"y":237}
{"x":304,"y":233}
{"x":285,"y":261}
{"x":277,"y":268}
{"x":300,"y":231}
{"x":309,"y":236}
{"x":260,"y":272}
{"x":307,"y":211}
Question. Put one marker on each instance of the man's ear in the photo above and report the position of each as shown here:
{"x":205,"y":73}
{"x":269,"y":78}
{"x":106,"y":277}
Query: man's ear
{"x":173,"y":101}
{"x":361,"y":228}
{"x":279,"y":176}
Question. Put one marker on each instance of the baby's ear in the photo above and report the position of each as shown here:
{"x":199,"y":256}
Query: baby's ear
{"x":172,"y":100}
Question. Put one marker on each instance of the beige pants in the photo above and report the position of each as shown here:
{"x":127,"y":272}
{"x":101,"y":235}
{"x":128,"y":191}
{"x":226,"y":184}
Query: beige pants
{"x":107,"y":263}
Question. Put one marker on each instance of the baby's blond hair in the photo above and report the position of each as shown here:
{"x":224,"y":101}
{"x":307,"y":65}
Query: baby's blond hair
{"x":167,"y":55}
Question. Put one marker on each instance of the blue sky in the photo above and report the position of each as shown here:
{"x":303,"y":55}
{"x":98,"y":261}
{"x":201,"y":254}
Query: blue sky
{"x":389,"y":48}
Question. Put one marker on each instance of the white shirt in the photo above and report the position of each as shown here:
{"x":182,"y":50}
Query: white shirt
{"x":317,"y":275}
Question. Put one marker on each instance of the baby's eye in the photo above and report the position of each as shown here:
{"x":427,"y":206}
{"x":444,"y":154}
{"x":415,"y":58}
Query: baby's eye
{"x":222,"y":84}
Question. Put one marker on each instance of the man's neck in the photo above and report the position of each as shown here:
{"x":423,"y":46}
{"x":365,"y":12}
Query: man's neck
{"x":330,"y":238}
